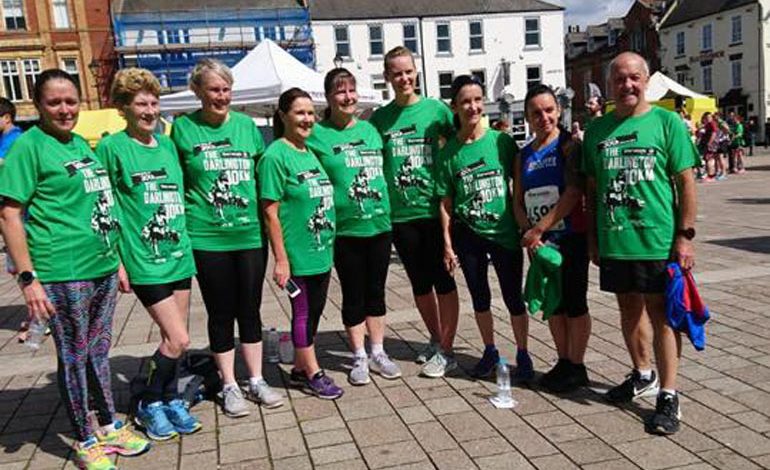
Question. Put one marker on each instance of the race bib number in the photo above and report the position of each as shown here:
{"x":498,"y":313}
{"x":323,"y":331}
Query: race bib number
{"x":539,"y":201}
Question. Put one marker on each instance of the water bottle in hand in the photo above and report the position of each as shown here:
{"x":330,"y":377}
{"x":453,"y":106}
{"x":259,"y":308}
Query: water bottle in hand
{"x":35,"y":334}
{"x":271,"y":347}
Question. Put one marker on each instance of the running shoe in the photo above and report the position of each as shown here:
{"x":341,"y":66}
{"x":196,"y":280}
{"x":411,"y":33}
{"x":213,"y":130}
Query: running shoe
{"x":233,"y":404}
{"x":427,"y":352}
{"x":667,"y":414}
{"x":263,"y":394}
{"x":721,"y":177}
{"x":359,"y":374}
{"x":152,"y":418}
{"x":297,"y":378}
{"x":524,"y":369}
{"x":575,"y":377}
{"x":486,"y":365}
{"x":123,"y":442}
{"x":180,"y":417}
{"x":90,"y":455}
{"x":558,"y":373}
{"x":324,"y":387}
{"x":384,"y":366}
{"x":439,"y":365}
{"x":634,"y":387}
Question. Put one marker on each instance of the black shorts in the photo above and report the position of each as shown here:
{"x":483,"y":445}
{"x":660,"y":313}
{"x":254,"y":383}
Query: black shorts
{"x":574,"y":273}
{"x":151,"y":294}
{"x":420,"y":245}
{"x":633,"y":276}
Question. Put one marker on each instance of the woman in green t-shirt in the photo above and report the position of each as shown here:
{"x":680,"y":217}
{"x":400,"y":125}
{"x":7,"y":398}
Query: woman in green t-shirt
{"x":155,"y":248}
{"x":218,"y":149}
{"x":478,"y":220}
{"x":351,"y":153}
{"x":68,"y":262}
{"x":298,"y":204}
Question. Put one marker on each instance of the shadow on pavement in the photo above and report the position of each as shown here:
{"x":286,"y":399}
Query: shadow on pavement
{"x":752,"y":244}
{"x":749,"y":200}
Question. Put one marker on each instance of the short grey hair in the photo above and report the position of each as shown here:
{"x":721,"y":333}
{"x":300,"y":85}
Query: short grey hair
{"x":642,"y":60}
{"x":209,"y":65}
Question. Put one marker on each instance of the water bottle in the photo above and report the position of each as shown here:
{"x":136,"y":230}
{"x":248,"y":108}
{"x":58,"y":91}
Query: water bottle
{"x":286,"y":349}
{"x":503,"y":382}
{"x":35,"y":334}
{"x":271,"y":347}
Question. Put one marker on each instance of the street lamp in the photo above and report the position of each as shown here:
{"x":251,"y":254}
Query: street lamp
{"x":337,"y":61}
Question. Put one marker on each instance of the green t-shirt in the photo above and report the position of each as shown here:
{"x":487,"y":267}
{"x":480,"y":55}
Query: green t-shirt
{"x":299,"y":183}
{"x":411,"y":138}
{"x":219,"y":165}
{"x":147,"y":181}
{"x":352,"y":158}
{"x":477,"y":177}
{"x":633,"y":161}
{"x":73,"y":226}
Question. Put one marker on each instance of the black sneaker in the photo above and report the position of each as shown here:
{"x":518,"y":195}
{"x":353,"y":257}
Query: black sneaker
{"x":556,"y":375}
{"x":575,"y":377}
{"x":297,"y":378}
{"x":634,"y":387}
{"x":667,"y":414}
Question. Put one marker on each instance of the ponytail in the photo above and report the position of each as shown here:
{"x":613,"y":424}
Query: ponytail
{"x":278,"y":127}
{"x":285,"y":101}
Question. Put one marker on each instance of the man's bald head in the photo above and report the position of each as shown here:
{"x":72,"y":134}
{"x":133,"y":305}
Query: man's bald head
{"x":630,"y":60}
{"x":629,"y":76}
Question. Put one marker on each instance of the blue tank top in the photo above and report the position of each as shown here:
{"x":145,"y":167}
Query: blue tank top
{"x":543,"y":182}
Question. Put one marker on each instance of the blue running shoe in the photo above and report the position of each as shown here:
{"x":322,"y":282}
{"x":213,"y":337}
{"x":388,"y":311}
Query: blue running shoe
{"x":487,"y":363}
{"x":152,"y":418}
{"x":180,"y":417}
{"x":524,"y":368}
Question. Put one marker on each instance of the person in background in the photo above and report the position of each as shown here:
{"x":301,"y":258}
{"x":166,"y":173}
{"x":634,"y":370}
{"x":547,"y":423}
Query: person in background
{"x":478,"y":221}
{"x":298,"y":205}
{"x":155,"y":249}
{"x":67,"y":258}
{"x":736,"y":145}
{"x":577,"y":132}
{"x":595,"y":108}
{"x":412,"y":128}
{"x":350,"y":151}
{"x":707,"y":146}
{"x":752,"y":135}
{"x":218,"y":150}
{"x":9,"y":132}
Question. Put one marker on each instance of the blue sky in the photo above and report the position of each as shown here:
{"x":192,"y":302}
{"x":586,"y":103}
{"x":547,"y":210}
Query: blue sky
{"x":583,"y":12}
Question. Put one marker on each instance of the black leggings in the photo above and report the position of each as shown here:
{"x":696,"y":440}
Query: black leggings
{"x":231,"y":286}
{"x":420,"y":245}
{"x":474,"y":253}
{"x":362,"y":266}
{"x":574,"y":274}
{"x":307,"y":307}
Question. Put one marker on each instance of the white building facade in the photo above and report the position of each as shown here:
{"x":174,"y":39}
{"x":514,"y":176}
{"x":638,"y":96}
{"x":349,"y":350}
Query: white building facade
{"x":723,"y":54}
{"x":508,"y":51}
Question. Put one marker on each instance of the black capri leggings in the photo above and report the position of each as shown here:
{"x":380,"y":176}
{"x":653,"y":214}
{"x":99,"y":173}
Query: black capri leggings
{"x":420,"y":245}
{"x":231,"y":286}
{"x":474,"y":253}
{"x":362,"y":266}
{"x":574,"y":274}
{"x":307,"y":307}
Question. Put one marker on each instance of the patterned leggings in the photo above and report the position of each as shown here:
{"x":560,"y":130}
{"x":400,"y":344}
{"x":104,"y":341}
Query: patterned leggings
{"x":82,"y":330}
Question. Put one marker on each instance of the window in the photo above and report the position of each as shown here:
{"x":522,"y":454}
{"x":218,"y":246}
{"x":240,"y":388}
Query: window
{"x":342,"y":41}
{"x":13,"y":13}
{"x":481,"y":76}
{"x":61,"y":14}
{"x":680,"y":43}
{"x":735,"y":68}
{"x":71,"y":67}
{"x":379,"y":84}
{"x":476,"y":36}
{"x":532,"y":32}
{"x":376,"y":44}
{"x":533,"y":76}
{"x":410,"y":37}
{"x":445,"y":85}
{"x":9,"y":70}
{"x":737,"y":30}
{"x":612,"y":39}
{"x":681,"y":78}
{"x":443,"y":38}
{"x":707,"y":79}
{"x":270,"y":33}
{"x":31,"y":72}
{"x":706,"y":42}
{"x":638,"y":41}
{"x":417,"y":85}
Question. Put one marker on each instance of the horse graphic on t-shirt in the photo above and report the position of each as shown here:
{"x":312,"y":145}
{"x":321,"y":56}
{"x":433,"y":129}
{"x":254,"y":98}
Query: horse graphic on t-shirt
{"x":617,"y":196}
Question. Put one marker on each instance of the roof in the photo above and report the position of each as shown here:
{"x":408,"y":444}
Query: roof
{"x":370,"y":9}
{"x":144,"y":6}
{"x":689,"y":10}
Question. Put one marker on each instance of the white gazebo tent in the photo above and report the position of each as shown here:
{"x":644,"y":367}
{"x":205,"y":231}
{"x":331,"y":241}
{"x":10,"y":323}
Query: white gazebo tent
{"x":662,"y":87}
{"x":260,"y":78}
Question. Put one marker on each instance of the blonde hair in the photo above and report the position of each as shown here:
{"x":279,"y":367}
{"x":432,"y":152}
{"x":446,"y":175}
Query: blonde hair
{"x":129,"y":82}
{"x":209,"y":65}
{"x":398,"y":51}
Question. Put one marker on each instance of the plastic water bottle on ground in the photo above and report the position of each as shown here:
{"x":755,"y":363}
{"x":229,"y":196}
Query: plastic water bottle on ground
{"x":503,"y":399}
{"x":35,"y":334}
{"x":286,"y":349}
{"x":271,"y":347}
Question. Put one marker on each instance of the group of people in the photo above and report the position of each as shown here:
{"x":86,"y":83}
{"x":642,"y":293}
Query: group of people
{"x":145,"y":213}
{"x":721,"y":143}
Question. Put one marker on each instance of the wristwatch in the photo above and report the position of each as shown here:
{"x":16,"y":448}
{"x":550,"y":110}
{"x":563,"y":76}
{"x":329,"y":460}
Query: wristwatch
{"x":688,"y":233}
{"x":27,"y":277}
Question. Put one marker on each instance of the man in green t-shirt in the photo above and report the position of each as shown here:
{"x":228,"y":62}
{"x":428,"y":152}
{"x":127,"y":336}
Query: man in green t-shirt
{"x":631,"y":155}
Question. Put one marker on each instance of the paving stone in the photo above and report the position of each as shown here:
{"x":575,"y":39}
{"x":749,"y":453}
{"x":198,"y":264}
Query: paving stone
{"x":277,"y":421}
{"x":240,"y":432}
{"x":401,"y":396}
{"x":327,"y":438}
{"x":335,"y":453}
{"x":199,"y":442}
{"x":307,"y":410}
{"x":742,"y":440}
{"x":726,"y":459}
{"x":693,"y":440}
{"x":611,"y":465}
{"x":451,"y":460}
{"x":432,"y":436}
{"x":530,"y":443}
{"x":415,"y":414}
{"x":586,"y":451}
{"x":467,"y":426}
{"x":505,"y":461}
{"x":613,"y":427}
{"x":487,"y":446}
{"x":199,"y":461}
{"x":285,"y":443}
{"x":549,"y":419}
{"x":378,"y":430}
{"x":553,"y":462}
{"x":753,"y":420}
{"x":568,"y":432}
{"x":355,"y":464}
{"x":242,"y":451}
{"x":654,"y":453}
{"x":391,"y":455}
{"x":301,"y":462}
{"x":323,"y":424}
{"x":449,"y":405}
{"x":362,"y":409}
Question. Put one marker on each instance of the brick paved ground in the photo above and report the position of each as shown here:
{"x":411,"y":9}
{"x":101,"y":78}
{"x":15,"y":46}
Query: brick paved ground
{"x":421,"y":423}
